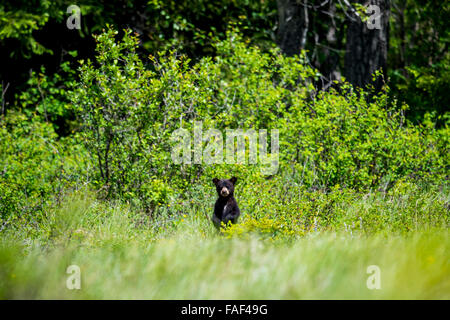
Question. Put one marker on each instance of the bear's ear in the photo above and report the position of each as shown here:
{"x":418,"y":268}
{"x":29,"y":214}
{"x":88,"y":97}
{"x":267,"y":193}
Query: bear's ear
{"x":215,"y":180}
{"x":233,"y":180}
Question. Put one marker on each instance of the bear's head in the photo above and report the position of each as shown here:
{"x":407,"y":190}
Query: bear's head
{"x":225,"y":187}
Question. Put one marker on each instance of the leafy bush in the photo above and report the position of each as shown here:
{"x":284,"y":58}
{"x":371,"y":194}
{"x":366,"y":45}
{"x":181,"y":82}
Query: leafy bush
{"x":282,"y":209}
{"x":425,"y":89}
{"x":125,"y":129}
{"x":279,"y":228}
{"x":46,"y":95}
{"x":35,"y":167}
{"x":344,"y":137}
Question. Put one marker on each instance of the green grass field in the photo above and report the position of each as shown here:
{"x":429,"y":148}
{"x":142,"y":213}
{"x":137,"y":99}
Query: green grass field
{"x":122,"y":258}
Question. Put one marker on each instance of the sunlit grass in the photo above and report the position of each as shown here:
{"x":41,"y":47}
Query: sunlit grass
{"x":120,"y":259}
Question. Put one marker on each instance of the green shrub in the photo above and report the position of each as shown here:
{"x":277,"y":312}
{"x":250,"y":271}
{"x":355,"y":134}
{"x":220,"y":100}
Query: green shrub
{"x":46,"y":95}
{"x":344,"y":137}
{"x":125,"y":129}
{"x":283,"y":209}
{"x":35,"y":167}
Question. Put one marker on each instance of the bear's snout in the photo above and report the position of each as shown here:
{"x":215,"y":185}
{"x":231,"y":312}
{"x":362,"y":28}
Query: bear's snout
{"x":224,"y":192}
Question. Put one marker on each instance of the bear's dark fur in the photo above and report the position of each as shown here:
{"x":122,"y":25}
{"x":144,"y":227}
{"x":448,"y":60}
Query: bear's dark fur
{"x":226,"y":208}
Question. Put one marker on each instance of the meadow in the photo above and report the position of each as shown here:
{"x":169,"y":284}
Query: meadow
{"x":123,"y":256}
{"x":357,"y":208}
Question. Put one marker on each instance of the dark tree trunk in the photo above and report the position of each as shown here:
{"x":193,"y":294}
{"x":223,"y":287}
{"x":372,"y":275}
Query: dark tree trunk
{"x":293,"y":25}
{"x":330,"y":66}
{"x":366,"y":49}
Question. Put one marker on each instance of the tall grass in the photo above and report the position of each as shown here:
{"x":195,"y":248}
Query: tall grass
{"x":123,"y":254}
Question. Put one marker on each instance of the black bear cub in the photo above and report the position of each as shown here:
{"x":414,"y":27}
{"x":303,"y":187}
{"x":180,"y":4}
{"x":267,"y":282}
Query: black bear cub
{"x":226,"y":208}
